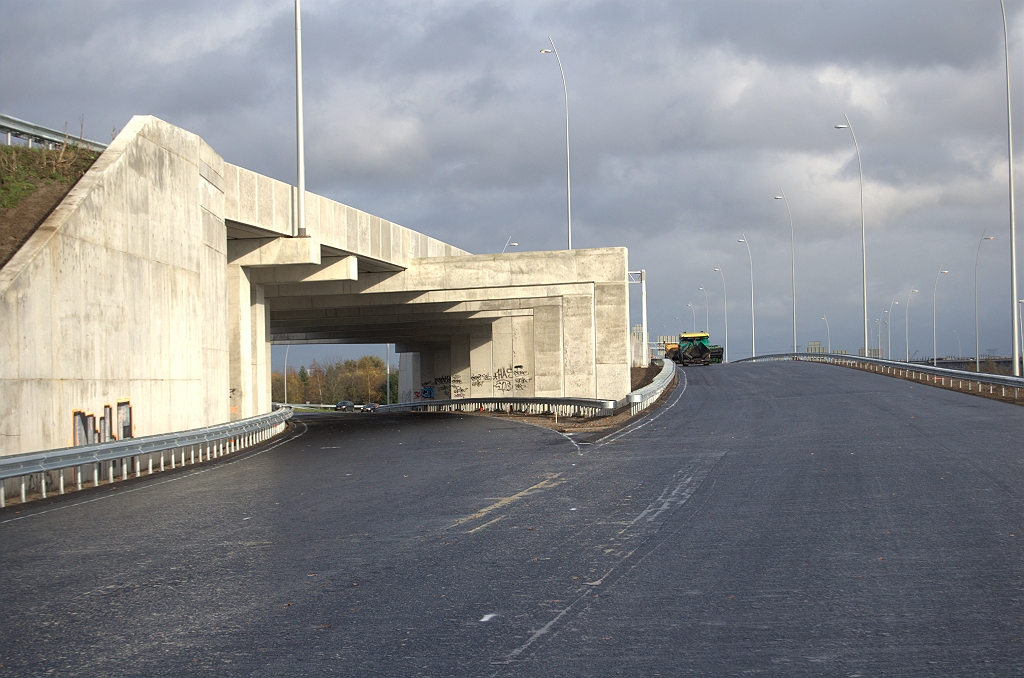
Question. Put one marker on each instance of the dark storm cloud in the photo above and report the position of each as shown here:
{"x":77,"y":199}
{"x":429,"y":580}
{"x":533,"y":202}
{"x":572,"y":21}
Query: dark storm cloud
{"x":686,"y":119}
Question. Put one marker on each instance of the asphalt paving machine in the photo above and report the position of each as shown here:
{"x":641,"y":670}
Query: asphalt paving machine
{"x":693,"y":348}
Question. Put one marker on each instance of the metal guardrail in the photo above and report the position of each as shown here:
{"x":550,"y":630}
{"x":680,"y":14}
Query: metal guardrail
{"x":642,"y":398}
{"x":212,"y":441}
{"x":13,"y":127}
{"x":910,"y":370}
{"x":565,"y":407}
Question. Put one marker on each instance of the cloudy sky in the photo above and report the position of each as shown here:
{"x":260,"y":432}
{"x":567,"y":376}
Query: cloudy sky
{"x":687,"y":118}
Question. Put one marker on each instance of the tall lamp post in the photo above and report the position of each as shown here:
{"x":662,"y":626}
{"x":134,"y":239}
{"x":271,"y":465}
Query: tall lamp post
{"x":863,"y":238}
{"x":568,"y":174}
{"x":1013,"y":221}
{"x":935,"y":354}
{"x":299,"y":127}
{"x":888,"y":327}
{"x":753,"y":344}
{"x":960,"y":346}
{"x":828,"y":331}
{"x":707,"y":313}
{"x":286,"y":347}
{"x":906,"y":322}
{"x":694,"y":314}
{"x":725,"y":311}
{"x":977,"y":343}
{"x":509,"y":243}
{"x":792,"y":246}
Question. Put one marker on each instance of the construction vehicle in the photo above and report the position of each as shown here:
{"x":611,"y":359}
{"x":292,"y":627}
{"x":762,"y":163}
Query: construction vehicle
{"x":693,"y":348}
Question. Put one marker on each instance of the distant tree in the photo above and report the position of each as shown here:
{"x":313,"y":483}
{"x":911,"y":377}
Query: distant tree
{"x":315,"y":382}
{"x":394,"y":386}
{"x":296,"y":389}
{"x":277,"y":387}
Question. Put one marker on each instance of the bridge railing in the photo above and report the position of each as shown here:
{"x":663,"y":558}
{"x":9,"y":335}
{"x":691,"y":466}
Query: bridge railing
{"x":103,"y":460}
{"x":938,"y":375}
{"x":44,"y":136}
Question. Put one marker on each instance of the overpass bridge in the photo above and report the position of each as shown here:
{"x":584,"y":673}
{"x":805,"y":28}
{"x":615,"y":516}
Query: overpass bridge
{"x":166,"y":274}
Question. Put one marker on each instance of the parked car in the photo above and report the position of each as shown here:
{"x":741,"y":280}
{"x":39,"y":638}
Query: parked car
{"x":345,"y":406}
{"x":370,"y":407}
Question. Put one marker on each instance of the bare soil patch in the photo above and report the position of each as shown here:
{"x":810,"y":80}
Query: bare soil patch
{"x":642,"y":376}
{"x":33,"y":181}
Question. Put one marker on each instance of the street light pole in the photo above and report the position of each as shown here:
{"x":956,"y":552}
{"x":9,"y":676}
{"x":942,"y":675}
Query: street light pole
{"x":863,"y":237}
{"x":906,"y":322}
{"x":828,"y":331}
{"x":286,"y":347}
{"x":888,"y":327}
{"x":792,"y":246}
{"x":725,"y":311}
{"x":1013,"y":221}
{"x":935,"y":354}
{"x":299,"y":127}
{"x":977,"y":343}
{"x":694,"y":314}
{"x":509,"y":243}
{"x":959,"y":345}
{"x":707,"y":324}
{"x":753,"y":344}
{"x":568,"y":174}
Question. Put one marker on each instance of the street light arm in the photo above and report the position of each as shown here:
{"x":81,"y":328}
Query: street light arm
{"x":792,"y":244}
{"x":753,"y":333}
{"x":725,"y":311}
{"x":568,"y":172}
{"x":935,"y":289}
{"x":863,"y":237}
{"x":1015,"y":310}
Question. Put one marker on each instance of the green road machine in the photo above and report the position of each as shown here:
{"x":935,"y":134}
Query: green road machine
{"x":694,"y":348}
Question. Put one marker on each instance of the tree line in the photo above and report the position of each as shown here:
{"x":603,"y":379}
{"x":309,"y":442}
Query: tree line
{"x":361,"y":381}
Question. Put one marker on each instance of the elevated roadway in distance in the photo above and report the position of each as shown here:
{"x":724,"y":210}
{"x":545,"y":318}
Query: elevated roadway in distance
{"x":785,"y":519}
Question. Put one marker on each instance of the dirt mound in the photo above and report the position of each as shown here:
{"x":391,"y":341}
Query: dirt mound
{"x":33,"y":181}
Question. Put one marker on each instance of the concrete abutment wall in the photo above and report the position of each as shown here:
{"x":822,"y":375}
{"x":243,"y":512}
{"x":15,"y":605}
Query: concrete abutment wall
{"x":166,"y":274}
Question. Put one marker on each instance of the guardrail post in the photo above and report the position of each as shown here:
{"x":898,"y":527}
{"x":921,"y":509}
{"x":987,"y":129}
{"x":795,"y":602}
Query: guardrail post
{"x":96,"y":475}
{"x":61,"y":472}
{"x":42,"y":483}
{"x":23,"y":489}
{"x":3,"y":493}
{"x":78,"y":478}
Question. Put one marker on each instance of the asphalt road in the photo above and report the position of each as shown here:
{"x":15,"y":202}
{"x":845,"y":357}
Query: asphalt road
{"x":775,"y":519}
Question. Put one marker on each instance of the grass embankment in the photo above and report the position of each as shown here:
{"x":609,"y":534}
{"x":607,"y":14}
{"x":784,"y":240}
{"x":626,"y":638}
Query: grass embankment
{"x":33,"y":181}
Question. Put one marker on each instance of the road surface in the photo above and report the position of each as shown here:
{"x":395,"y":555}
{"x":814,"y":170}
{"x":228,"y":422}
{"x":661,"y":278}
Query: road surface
{"x":780,"y":519}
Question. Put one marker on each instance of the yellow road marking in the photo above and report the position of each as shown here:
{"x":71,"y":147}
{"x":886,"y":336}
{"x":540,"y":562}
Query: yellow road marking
{"x":550,"y":481}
